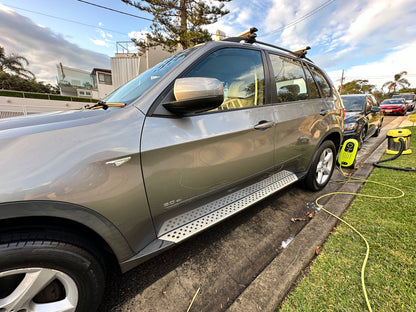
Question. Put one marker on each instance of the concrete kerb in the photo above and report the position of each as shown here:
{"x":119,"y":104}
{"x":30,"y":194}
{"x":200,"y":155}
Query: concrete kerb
{"x":268,"y":290}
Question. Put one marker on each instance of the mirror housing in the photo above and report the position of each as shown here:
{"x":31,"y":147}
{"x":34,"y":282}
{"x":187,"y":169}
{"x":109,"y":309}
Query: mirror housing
{"x":375,"y":109}
{"x":195,"y":95}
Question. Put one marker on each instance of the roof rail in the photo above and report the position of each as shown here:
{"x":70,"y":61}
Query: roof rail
{"x":250,"y":35}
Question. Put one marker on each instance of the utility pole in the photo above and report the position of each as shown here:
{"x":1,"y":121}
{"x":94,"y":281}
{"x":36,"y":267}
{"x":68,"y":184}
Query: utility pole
{"x":342,"y":82}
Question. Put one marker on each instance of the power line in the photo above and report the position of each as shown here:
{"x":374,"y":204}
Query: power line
{"x":110,"y":9}
{"x":301,"y":19}
{"x":67,"y":20}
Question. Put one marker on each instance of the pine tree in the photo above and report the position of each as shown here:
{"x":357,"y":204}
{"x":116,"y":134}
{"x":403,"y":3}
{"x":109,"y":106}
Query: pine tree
{"x":178,"y":22}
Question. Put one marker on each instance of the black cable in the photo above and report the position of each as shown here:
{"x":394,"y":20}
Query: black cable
{"x":110,"y":9}
{"x":402,"y":146}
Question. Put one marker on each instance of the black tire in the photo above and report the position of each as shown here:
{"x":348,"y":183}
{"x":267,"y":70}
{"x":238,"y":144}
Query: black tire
{"x":57,"y":272}
{"x":361,"y":138}
{"x":321,"y":168}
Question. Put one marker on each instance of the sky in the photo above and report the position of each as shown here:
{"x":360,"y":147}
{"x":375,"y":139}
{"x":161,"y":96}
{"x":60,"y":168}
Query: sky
{"x":367,"y":39}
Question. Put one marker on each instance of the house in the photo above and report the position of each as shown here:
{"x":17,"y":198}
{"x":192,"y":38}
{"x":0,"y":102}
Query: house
{"x":74,"y":82}
{"x":128,"y":62}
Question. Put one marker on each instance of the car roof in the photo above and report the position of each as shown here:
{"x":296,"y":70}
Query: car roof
{"x":355,"y":95}
{"x":258,"y":46}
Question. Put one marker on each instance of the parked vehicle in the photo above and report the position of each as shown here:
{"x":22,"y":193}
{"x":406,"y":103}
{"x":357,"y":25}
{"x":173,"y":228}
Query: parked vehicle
{"x":410,"y":99}
{"x":363,"y":118}
{"x":190,"y":142}
{"x":394,"y":106}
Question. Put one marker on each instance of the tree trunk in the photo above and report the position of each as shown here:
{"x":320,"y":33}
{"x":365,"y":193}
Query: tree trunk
{"x":184,"y":28}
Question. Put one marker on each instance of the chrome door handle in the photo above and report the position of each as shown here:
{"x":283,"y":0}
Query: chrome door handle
{"x":263,"y":125}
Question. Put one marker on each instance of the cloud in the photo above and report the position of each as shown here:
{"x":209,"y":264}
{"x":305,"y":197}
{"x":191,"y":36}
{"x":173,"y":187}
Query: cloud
{"x":383,"y":70}
{"x":100,"y":42}
{"x":44,"y":48}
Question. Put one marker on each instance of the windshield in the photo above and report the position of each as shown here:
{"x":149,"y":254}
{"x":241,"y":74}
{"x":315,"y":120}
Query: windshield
{"x":392,"y":102}
{"x":353,"y":103}
{"x":408,"y":97}
{"x":137,"y":86}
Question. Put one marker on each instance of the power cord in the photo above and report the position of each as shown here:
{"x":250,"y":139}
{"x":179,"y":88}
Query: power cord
{"x":402,"y":147}
{"x":349,"y":180}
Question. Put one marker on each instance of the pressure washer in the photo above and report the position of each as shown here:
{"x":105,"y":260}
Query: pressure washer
{"x":397,"y":145}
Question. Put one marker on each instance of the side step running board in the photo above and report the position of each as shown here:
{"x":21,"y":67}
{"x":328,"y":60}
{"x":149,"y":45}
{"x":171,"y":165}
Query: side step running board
{"x":197,"y":220}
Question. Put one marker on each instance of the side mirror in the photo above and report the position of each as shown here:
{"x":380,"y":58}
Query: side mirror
{"x":195,"y":95}
{"x":375,"y":109}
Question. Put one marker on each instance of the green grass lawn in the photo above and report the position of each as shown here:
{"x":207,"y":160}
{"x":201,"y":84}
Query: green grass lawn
{"x":333,"y":281}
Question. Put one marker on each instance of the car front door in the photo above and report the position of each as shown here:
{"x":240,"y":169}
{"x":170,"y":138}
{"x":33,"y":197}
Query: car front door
{"x":373,"y":116}
{"x":190,"y":161}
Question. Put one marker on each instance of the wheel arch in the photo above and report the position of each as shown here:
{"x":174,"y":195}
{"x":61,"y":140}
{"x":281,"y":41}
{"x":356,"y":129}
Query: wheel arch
{"x":66,"y":218}
{"x":335,"y":137}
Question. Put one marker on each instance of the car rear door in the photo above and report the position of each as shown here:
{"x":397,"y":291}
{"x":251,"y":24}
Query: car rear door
{"x":298,"y":113}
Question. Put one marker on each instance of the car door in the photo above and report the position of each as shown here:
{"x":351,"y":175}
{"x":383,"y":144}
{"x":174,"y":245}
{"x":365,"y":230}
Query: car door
{"x":190,"y":161}
{"x":373,"y":116}
{"x":298,"y":107}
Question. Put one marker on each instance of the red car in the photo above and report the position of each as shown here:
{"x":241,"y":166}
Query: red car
{"x":392,"y":106}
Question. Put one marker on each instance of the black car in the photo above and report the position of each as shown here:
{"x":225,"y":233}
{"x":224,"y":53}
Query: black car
{"x":363,"y":118}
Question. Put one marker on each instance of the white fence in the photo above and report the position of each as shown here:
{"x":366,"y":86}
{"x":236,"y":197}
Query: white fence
{"x":14,"y":106}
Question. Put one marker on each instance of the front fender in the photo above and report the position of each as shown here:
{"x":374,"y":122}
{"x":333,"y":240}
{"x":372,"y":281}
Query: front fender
{"x":70,"y":212}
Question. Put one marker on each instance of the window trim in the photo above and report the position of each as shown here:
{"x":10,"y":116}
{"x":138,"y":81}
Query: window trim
{"x":273,"y":89}
{"x":157,"y":109}
{"x":331,"y":92}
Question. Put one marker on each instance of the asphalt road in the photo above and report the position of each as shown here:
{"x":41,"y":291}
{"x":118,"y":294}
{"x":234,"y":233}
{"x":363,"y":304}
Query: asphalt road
{"x":218,"y":264}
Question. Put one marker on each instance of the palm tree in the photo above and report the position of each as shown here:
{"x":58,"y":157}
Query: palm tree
{"x":398,"y":81}
{"x":14,"y":64}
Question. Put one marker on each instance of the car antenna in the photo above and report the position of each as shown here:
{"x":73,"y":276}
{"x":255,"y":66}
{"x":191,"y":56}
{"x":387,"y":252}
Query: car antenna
{"x":250,"y":35}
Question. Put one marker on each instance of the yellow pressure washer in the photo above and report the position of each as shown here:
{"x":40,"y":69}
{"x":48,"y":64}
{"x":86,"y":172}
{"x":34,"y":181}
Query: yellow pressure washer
{"x":397,"y":144}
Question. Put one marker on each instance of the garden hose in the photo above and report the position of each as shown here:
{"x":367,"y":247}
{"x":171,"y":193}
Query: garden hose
{"x":353,"y":228}
{"x":402,"y":147}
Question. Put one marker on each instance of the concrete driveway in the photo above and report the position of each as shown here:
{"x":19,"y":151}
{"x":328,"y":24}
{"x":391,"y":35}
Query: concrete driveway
{"x":246,"y":263}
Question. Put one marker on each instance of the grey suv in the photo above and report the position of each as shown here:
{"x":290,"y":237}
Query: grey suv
{"x":190,"y":142}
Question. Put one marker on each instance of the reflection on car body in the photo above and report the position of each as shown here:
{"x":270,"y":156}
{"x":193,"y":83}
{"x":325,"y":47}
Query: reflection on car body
{"x":364,"y":117}
{"x":196,"y":139}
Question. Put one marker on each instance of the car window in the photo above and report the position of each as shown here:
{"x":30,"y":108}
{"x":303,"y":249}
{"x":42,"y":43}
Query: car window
{"x":353,"y":103}
{"x":289,"y":78}
{"x":139,"y":85}
{"x":321,"y":81}
{"x":313,"y":89}
{"x":368,"y":105}
{"x":241,"y":73}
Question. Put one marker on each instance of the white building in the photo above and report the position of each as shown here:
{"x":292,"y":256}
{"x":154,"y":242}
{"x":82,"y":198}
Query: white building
{"x":80,"y":83}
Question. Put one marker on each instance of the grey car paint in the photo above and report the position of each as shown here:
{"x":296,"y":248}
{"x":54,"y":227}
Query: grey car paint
{"x":77,"y":166}
{"x":71,"y":168}
{"x":194,"y":156}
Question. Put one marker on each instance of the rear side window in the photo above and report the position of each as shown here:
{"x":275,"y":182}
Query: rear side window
{"x":289,"y":78}
{"x":241,"y":73}
{"x":313,"y":89}
{"x":321,"y":81}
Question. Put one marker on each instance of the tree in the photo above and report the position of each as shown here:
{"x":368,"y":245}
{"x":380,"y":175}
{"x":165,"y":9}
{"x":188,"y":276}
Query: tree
{"x":16,"y":83}
{"x":398,"y":81}
{"x":178,"y":22}
{"x":14,"y":64}
{"x":357,"y":87}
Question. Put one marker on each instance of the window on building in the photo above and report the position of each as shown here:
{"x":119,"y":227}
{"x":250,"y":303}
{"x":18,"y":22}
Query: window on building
{"x":104,"y":78}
